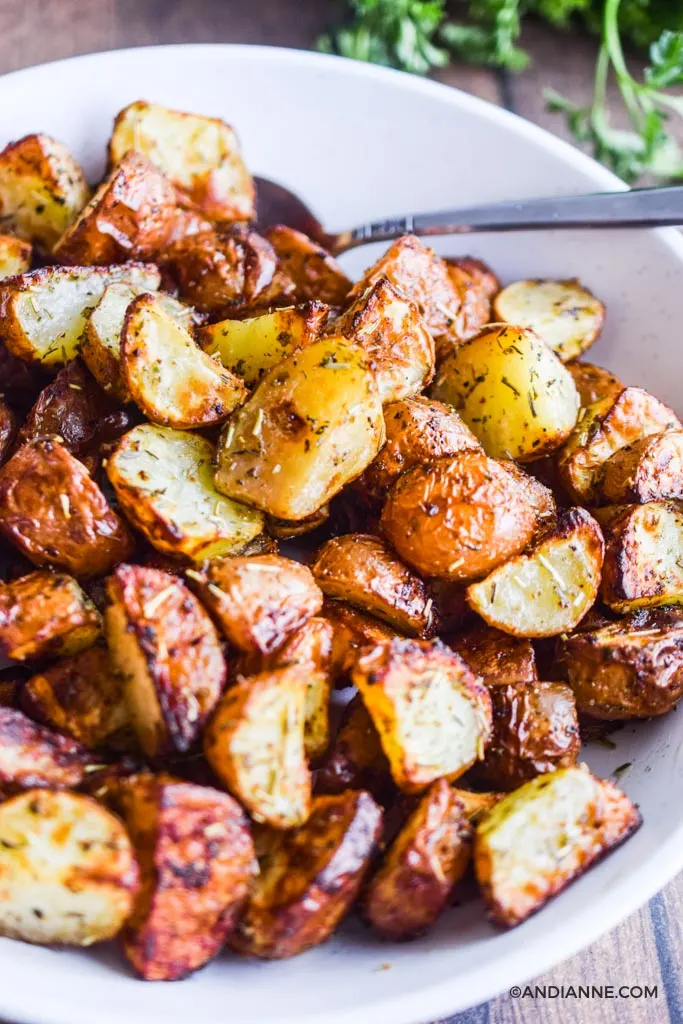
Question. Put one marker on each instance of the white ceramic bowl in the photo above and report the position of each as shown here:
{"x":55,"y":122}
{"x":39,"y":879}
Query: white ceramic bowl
{"x":361,"y":142}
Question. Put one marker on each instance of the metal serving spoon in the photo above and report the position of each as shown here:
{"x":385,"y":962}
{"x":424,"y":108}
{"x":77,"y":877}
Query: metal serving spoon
{"x":645,"y":207}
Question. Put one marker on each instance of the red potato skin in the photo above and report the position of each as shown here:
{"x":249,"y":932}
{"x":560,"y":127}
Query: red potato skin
{"x":33,"y":757}
{"x":313,"y":272}
{"x":353,"y":630}
{"x":496,"y":656}
{"x":356,"y":759}
{"x":42,"y":614}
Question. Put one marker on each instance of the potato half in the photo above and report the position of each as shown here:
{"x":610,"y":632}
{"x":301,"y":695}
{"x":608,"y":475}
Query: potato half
{"x":32,"y":756}
{"x":593,"y":382}
{"x":314,"y":273}
{"x":15,"y":256}
{"x":564,"y":314}
{"x":647,"y":470}
{"x":643,"y":566}
{"x":45,"y":614}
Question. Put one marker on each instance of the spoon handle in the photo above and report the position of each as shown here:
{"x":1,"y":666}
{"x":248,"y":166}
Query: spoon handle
{"x":645,"y":207}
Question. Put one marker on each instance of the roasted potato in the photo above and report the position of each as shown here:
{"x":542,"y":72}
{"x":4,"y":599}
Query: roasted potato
{"x":43,"y":614}
{"x":21,"y":382}
{"x":650,"y":469}
{"x":593,"y":383}
{"x":54,"y":512}
{"x":607,"y":426}
{"x":314,"y":273}
{"x":356,"y":760}
{"x":199,"y":155}
{"x":475,"y":285}
{"x":32,"y":756}
{"x":459,"y":517}
{"x":8,"y":426}
{"x":450,"y":603}
{"x":564,"y":314}
{"x":476,"y":805}
{"x":363,"y":571}
{"x":391,"y":331}
{"x":259,"y":601}
{"x":163,"y":480}
{"x":255,"y":745}
{"x":643,"y":566}
{"x":538,"y":494}
{"x":496,"y":656}
{"x":168,"y":376}
{"x":15,"y":255}
{"x":285,"y":529}
{"x":416,"y":875}
{"x":312,"y":424}
{"x":632,"y":668}
{"x":537,"y":840}
{"x":251,"y":347}
{"x":42,"y":189}
{"x":128,"y":218}
{"x":353,"y":630}
{"x":196,"y":860}
{"x":310,"y":878}
{"x":432,"y":713}
{"x":548,"y":589}
{"x":511,"y":390}
{"x":165,"y":646}
{"x":42,"y":313}
{"x":68,"y":869}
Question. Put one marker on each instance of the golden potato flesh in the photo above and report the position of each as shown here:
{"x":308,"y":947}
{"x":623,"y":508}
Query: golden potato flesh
{"x":593,"y":382}
{"x":537,"y":840}
{"x":511,"y":390}
{"x":647,"y":470}
{"x":564,"y":314}
{"x":432,"y":713}
{"x":457,"y":518}
{"x":15,"y":256}
{"x":547,"y":590}
{"x":643,"y":566}
{"x":496,"y":656}
{"x":312,"y":425}
{"x":315,"y":275}
{"x":45,"y":614}
{"x":69,"y":875}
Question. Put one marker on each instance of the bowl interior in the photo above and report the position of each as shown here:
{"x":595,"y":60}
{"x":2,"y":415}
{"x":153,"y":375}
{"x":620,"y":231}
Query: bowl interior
{"x":360,"y":143}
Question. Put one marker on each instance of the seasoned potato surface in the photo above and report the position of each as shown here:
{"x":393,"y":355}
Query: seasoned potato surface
{"x":647,"y":470}
{"x":496,"y":656}
{"x":643,"y":566}
{"x":43,"y":614}
{"x":564,"y":314}
{"x":315,"y":274}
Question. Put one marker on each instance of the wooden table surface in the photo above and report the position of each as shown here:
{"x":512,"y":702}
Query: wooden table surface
{"x":647,"y":949}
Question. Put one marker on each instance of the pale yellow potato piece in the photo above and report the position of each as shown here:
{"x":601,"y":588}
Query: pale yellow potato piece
{"x":15,"y":256}
{"x":564,"y":314}
{"x":644,"y":557}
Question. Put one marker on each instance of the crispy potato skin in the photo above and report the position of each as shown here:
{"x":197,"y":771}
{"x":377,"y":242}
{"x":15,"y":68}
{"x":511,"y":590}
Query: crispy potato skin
{"x":495,"y":656}
{"x":647,"y":470}
{"x":8,"y":426}
{"x":431,"y":852}
{"x":457,"y":518}
{"x":259,"y":601}
{"x":32,"y":756}
{"x":54,"y":512}
{"x":632,"y":668}
{"x":593,"y":383}
{"x":356,"y":760}
{"x":353,"y":630}
{"x":362,"y":570}
{"x":44,"y":614}
{"x":285,"y":529}
{"x":21,"y":381}
{"x":163,"y":642}
{"x":310,"y":878}
{"x":539,"y":496}
{"x":196,"y":858}
{"x":642,"y":566}
{"x":475,"y":285}
{"x":314,"y":273}
{"x":567,"y":811}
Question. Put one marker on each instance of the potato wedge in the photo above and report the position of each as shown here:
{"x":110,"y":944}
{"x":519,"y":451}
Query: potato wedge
{"x":68,"y":868}
{"x":363,"y":571}
{"x":312,"y":425}
{"x":163,"y":480}
{"x":251,"y":347}
{"x":605,"y":428}
{"x":314,"y":273}
{"x":164,"y":644}
{"x":54,"y":512}
{"x":196,"y":860}
{"x":564,"y":314}
{"x":537,"y":840}
{"x":42,"y":189}
{"x":310,"y":878}
{"x":199,"y":155}
{"x":475,"y":285}
{"x":647,"y":470}
{"x":496,"y":656}
{"x":15,"y":255}
{"x":432,"y":713}
{"x":549,"y":589}
{"x":255,"y":745}
{"x":643,"y":566}
{"x":356,"y":760}
{"x":457,"y":518}
{"x":353,"y":630}
{"x":593,"y":383}
{"x":413,"y":883}
{"x":539,"y":496}
{"x":511,"y":390}
{"x":42,"y":313}
{"x":259,"y":601}
{"x":43,"y":614}
{"x":32,"y":756}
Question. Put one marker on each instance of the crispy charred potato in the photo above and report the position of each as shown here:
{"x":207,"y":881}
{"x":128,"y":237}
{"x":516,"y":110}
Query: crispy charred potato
{"x":450,"y":602}
{"x":458,"y":518}
{"x":593,"y":383}
{"x":166,"y":647}
{"x":362,"y":570}
{"x":312,"y":424}
{"x":43,"y":614}
{"x":564,"y":314}
{"x":511,"y":390}
{"x":389,"y":328}
{"x":549,"y":589}
{"x":54,"y":512}
{"x":68,"y":869}
{"x":310,"y":878}
{"x":314,"y":273}
{"x":251,"y":347}
{"x":647,"y":470}
{"x":42,"y":189}
{"x":8,"y":427}
{"x":353,"y":630}
{"x":495,"y":656}
{"x":476,"y":805}
{"x":199,"y":155}
{"x":163,"y":480}
{"x":255,"y":745}
{"x":168,"y":376}
{"x":32,"y":756}
{"x":259,"y":601}
{"x":128,"y":218}
{"x":432,"y":713}
{"x":81,"y":697}
{"x":632,"y":668}
{"x":196,"y":860}
{"x":475,"y":285}
{"x":538,"y":494}
{"x":21,"y":382}
{"x":356,"y":759}
{"x":605,"y":428}
{"x":643,"y":566}
{"x":15,"y":255}
{"x":42,"y":313}
{"x":537,"y":840}
{"x":431,"y":852}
